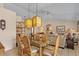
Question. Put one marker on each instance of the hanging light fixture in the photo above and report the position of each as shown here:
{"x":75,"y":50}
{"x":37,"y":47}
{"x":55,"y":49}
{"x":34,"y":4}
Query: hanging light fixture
{"x":28,"y":21}
{"x":36,"y":20}
{"x":41,"y":29}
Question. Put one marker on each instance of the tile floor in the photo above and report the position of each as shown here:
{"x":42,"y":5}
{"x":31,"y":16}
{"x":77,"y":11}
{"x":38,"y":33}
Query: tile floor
{"x":62,"y":52}
{"x":12,"y":52}
{"x":69,"y":52}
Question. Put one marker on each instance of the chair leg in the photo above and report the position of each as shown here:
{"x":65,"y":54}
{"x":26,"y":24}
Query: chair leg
{"x":40,"y":51}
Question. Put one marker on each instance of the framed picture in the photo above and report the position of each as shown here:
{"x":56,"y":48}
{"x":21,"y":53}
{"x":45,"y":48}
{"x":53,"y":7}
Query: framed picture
{"x":60,"y":29}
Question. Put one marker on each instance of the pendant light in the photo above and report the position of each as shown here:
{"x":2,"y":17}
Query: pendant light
{"x":41,"y":29}
{"x":28,"y":21}
{"x":36,"y":20}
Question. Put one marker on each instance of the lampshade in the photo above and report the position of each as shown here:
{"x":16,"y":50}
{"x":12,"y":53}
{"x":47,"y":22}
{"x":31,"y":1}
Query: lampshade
{"x":28,"y":23}
{"x":41,"y":29}
{"x":36,"y":21}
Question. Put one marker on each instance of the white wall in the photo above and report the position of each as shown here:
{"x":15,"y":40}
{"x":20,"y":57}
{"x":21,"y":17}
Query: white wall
{"x":62,"y":14}
{"x":8,"y":36}
{"x":68,"y":24}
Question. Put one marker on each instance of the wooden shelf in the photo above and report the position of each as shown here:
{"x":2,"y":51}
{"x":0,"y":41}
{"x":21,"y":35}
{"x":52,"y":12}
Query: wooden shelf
{"x":20,"y":27}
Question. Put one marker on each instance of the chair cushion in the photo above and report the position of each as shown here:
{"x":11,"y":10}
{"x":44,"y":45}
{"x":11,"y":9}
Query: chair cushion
{"x":52,"y":48}
{"x":49,"y":51}
{"x":34,"y":49}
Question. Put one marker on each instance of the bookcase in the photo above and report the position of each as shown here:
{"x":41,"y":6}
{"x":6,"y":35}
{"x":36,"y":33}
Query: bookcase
{"x":20,"y":27}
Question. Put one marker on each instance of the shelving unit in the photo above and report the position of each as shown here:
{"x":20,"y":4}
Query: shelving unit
{"x":20,"y":27}
{"x":60,"y":29}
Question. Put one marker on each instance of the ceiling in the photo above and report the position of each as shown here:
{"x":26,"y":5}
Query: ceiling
{"x":50,"y":10}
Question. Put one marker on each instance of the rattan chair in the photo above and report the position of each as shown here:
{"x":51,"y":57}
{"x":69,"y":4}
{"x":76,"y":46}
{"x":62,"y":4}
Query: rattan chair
{"x":50,"y":50}
{"x":40,"y":41}
{"x":24,"y":47}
